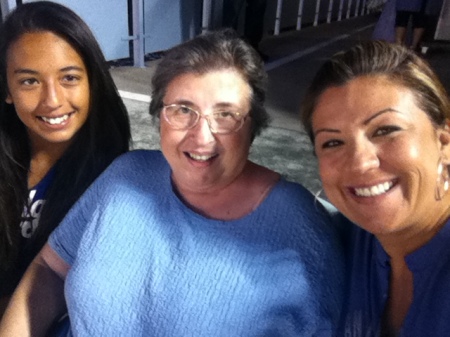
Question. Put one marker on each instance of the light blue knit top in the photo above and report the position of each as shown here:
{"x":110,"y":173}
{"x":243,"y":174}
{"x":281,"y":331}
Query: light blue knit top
{"x":144,"y":264}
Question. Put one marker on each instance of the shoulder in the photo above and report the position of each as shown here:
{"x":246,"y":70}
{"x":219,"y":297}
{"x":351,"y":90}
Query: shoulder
{"x":285,"y":188}
{"x":139,"y":158}
{"x":296,"y":198}
{"x":296,"y":210}
{"x":141,"y":169}
{"x":304,"y":219}
{"x":138,"y":162}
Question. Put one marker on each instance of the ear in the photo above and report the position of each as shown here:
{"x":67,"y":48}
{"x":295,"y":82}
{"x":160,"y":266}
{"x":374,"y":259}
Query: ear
{"x":444,"y":140}
{"x":9,"y":99}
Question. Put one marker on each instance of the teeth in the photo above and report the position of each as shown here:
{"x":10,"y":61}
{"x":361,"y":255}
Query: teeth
{"x":374,"y":190}
{"x":56,"y":120}
{"x":200,"y":157}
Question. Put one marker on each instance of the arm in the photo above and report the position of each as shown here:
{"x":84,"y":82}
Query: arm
{"x":39,"y":298}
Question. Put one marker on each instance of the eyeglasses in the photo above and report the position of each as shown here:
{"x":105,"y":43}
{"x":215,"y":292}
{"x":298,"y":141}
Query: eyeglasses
{"x":221,"y":121}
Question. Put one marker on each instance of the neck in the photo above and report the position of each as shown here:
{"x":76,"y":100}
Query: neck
{"x":42,"y":160}
{"x":235,"y":200}
{"x":402,"y":243}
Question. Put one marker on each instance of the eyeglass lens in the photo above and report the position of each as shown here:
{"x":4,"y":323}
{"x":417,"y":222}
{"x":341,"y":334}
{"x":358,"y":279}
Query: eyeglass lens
{"x":220,"y":121}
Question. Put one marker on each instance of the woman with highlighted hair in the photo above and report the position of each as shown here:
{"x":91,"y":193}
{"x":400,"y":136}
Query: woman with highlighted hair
{"x":378,"y":117}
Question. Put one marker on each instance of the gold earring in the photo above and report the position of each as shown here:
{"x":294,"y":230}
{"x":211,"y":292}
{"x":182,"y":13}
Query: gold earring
{"x":442,"y":180}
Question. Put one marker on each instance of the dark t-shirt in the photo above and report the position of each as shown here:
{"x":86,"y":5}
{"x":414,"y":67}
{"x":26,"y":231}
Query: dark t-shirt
{"x":28,"y":223}
{"x":410,"y":5}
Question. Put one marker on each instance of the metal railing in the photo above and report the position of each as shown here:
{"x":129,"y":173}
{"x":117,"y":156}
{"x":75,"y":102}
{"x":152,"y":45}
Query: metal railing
{"x":318,"y":11}
{"x":360,"y":7}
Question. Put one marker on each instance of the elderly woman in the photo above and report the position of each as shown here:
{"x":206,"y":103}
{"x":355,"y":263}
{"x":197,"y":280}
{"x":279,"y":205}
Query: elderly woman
{"x":378,"y":118}
{"x":198,"y":240}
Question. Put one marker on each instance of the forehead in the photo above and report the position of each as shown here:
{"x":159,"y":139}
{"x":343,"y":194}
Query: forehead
{"x":222,"y":84}
{"x":42,"y":49}
{"x":362,"y":97}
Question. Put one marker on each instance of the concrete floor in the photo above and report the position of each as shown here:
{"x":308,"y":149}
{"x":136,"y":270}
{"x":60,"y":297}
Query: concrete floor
{"x":294,"y":57}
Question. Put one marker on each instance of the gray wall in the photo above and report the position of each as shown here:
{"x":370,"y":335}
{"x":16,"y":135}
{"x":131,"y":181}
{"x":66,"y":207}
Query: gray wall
{"x":108,"y":20}
{"x":170,"y":22}
{"x":6,"y":6}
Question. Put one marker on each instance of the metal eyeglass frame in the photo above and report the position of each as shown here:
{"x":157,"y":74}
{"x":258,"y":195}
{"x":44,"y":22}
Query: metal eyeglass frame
{"x":199,"y":116}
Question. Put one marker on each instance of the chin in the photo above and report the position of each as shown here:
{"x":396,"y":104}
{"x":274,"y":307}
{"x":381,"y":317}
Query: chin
{"x":370,"y":225}
{"x":378,"y":228}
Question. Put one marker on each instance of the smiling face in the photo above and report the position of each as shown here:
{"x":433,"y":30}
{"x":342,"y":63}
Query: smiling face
{"x":49,"y":87}
{"x":378,"y":156}
{"x":201,"y":160}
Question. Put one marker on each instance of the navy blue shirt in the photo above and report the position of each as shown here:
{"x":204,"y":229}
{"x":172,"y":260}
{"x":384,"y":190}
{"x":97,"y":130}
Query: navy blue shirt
{"x":32,"y":210}
{"x":28,"y":223}
{"x":369,"y":287}
{"x":410,"y":5}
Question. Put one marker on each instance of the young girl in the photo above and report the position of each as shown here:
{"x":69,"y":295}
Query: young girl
{"x":61,"y":123}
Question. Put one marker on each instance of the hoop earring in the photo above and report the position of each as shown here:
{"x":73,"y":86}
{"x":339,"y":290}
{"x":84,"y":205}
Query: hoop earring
{"x":442,"y":181}
{"x":317,"y":196}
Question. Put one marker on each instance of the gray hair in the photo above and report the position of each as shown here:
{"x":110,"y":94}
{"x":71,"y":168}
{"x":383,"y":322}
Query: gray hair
{"x":214,"y":51}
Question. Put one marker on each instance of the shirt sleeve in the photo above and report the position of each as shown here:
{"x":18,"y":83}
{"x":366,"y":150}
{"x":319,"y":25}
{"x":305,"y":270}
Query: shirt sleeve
{"x":111,"y":191}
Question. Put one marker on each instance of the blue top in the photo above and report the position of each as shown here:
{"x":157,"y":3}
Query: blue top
{"x":410,"y":5}
{"x":369,"y":283}
{"x":144,"y":264}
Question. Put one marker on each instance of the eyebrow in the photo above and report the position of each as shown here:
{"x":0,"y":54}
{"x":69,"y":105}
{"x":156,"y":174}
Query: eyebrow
{"x":326,"y":130}
{"x":367,"y":121}
{"x":192,"y":104}
{"x":224,"y":105}
{"x":182,"y":102}
{"x":34,"y":72}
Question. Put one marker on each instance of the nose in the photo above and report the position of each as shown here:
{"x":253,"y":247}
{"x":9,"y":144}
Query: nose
{"x":362,"y":156}
{"x":52,"y":95}
{"x":202,"y":132}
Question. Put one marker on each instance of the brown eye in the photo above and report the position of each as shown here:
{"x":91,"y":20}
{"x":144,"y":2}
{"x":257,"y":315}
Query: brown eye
{"x":70,"y":78}
{"x":331,"y":143}
{"x":386,"y":130}
{"x":184,"y":110}
{"x":224,"y":114}
{"x":29,"y":81}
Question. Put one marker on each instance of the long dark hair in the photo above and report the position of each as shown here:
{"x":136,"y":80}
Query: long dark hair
{"x":105,"y":134}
